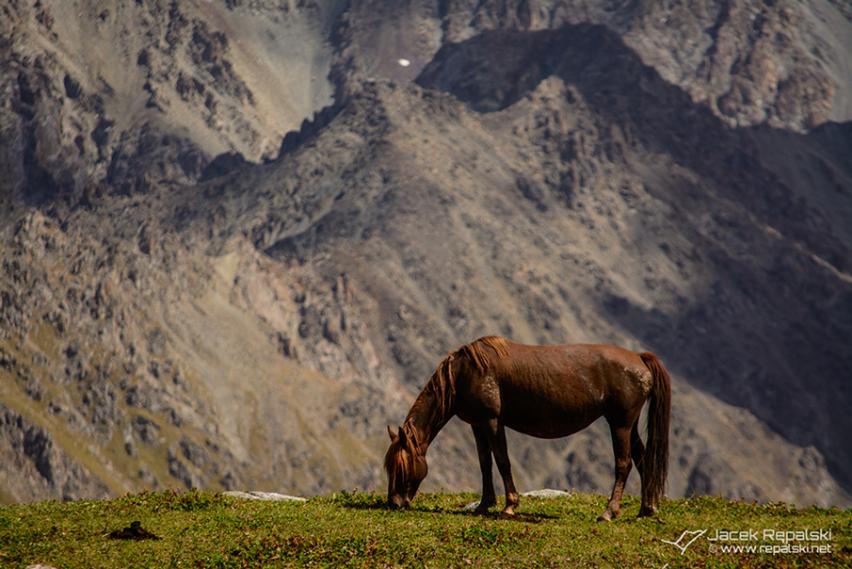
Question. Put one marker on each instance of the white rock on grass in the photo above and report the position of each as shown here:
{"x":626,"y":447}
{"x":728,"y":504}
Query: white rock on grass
{"x":543,"y":493}
{"x":546,"y":493}
{"x":270,"y":496}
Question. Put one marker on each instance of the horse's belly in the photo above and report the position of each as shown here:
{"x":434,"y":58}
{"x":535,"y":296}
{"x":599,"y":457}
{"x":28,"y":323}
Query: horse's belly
{"x":550,"y":423}
{"x":546,"y":407}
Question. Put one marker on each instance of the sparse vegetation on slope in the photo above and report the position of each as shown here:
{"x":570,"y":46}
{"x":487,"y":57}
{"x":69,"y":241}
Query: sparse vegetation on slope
{"x":356,"y":530}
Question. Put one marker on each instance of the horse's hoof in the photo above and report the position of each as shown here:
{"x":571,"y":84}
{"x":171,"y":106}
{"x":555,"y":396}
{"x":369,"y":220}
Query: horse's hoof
{"x":646,"y":511}
{"x":481,"y":511}
{"x":510,"y":511}
{"x":605,"y":517}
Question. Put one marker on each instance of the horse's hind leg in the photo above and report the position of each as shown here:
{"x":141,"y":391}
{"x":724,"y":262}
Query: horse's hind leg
{"x":497,"y":439}
{"x":621,"y":450}
{"x":483,"y":449}
{"x":637,"y":449}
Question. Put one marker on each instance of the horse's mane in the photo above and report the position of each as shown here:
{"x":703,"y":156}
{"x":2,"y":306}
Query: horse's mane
{"x":442,"y":386}
{"x":478,"y":356}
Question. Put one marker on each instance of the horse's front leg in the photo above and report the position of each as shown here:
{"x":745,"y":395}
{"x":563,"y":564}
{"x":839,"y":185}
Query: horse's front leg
{"x":483,"y":449}
{"x":497,"y":439}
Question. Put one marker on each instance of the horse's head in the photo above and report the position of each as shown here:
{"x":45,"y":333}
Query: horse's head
{"x":405,"y":465}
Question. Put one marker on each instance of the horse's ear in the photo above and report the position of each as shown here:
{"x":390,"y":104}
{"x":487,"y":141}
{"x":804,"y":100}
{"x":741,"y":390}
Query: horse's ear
{"x":393,"y":436}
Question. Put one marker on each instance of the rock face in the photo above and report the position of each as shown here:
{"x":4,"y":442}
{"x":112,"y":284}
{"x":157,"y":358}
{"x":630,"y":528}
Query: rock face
{"x":191,"y":298}
{"x":781,"y":63}
{"x":117,"y":97}
{"x":35,"y":466}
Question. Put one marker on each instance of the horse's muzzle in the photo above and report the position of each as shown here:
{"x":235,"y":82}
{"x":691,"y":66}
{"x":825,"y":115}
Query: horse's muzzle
{"x":398,"y":502}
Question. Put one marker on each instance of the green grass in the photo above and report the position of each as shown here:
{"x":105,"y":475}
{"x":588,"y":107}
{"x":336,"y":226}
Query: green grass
{"x":200,"y":529}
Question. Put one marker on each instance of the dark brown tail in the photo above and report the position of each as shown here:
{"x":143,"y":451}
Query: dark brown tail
{"x":655,"y":461}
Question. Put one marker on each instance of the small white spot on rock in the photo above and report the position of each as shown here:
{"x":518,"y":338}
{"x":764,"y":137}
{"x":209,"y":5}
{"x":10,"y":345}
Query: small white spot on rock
{"x":404,"y":62}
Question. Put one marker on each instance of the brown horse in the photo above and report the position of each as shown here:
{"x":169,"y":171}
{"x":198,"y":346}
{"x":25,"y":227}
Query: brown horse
{"x":544,"y":391}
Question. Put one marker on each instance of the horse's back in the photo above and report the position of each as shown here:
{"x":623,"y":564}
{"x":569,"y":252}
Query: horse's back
{"x":602,"y":360}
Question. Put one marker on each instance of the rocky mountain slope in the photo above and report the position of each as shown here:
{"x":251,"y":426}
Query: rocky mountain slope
{"x":189,"y":297}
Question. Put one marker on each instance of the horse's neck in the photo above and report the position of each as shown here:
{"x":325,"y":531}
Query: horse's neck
{"x":428,"y":416}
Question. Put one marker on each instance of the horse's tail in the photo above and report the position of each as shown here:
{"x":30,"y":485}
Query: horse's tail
{"x":655,"y":461}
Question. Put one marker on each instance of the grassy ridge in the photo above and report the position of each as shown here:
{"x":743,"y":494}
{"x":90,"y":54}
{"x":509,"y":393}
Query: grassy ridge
{"x":199,"y":529}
